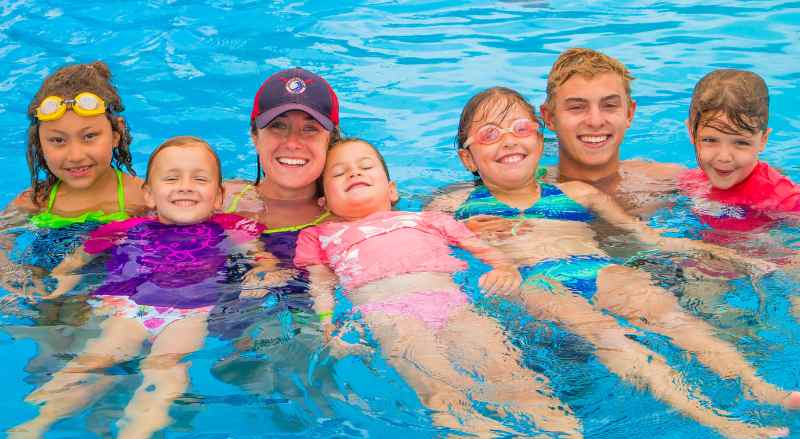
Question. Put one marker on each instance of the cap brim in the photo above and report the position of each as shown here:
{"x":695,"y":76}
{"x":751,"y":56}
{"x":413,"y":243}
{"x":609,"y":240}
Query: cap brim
{"x":266,"y":117}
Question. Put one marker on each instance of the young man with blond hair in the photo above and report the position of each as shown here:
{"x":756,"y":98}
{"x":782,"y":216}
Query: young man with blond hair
{"x":589,"y":107}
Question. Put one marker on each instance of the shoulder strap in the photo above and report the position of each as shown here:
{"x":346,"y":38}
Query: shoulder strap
{"x":120,"y":190}
{"x":52,"y":200}
{"x":296,"y":228}
{"x":236,"y":198}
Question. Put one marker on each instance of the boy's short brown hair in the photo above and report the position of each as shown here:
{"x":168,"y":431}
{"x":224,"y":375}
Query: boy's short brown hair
{"x":344,"y":140}
{"x":739,"y":95}
{"x":587,"y":63}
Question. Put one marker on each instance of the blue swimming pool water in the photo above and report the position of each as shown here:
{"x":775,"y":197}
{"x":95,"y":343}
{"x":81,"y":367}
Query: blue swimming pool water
{"x":402,"y":71}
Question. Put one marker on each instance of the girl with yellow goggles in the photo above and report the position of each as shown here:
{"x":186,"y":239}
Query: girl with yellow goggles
{"x":84,"y":104}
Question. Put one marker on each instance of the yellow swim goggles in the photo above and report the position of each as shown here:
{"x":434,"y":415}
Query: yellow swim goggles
{"x":84,"y":104}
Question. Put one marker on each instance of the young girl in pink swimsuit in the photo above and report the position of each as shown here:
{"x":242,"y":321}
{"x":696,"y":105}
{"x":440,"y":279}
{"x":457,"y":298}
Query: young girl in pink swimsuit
{"x":396,"y":269}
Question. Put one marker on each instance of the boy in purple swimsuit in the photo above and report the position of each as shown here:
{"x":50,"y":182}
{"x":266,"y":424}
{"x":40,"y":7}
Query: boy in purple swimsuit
{"x":164,"y":274}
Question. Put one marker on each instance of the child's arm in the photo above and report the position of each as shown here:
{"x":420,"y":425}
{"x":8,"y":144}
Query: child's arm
{"x":100,"y":241}
{"x":322,"y":283}
{"x":610,"y":211}
{"x":65,"y":272}
{"x":449,"y":198}
{"x":17,"y":278}
{"x":266,"y":274}
{"x":504,"y":278}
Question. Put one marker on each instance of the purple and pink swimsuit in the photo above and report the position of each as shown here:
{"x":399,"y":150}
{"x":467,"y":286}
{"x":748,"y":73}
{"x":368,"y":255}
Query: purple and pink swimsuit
{"x":162,"y":272}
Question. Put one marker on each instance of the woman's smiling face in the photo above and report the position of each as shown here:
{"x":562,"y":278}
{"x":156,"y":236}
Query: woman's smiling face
{"x":292,"y":149}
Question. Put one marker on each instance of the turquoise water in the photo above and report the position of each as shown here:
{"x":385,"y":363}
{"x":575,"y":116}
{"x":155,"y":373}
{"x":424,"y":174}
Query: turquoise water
{"x":402,"y":71}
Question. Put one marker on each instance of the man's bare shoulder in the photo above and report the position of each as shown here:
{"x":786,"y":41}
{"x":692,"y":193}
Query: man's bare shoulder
{"x":24,"y":202}
{"x":449,"y":198}
{"x":651,"y":169}
{"x":236,"y":191}
{"x":579,"y":191}
{"x":235,"y":185}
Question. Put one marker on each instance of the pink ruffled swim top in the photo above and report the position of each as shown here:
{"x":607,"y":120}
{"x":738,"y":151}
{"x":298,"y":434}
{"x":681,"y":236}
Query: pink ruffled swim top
{"x":382,"y":245}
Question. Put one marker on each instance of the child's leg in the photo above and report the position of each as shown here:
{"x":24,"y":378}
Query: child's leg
{"x":489,"y":355}
{"x":79,"y":383}
{"x":165,"y":377}
{"x":631,"y":294}
{"x":420,"y":357}
{"x":630,"y":360}
{"x":795,"y":306}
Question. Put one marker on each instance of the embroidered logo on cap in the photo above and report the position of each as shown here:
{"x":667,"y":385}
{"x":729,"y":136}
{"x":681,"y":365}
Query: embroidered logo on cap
{"x":295,"y":86}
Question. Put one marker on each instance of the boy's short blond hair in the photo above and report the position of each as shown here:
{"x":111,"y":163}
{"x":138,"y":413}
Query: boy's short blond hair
{"x":587,"y":63}
{"x":184,"y":141}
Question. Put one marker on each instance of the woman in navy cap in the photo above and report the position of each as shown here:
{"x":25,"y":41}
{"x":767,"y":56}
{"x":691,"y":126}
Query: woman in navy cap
{"x":295,"y":118}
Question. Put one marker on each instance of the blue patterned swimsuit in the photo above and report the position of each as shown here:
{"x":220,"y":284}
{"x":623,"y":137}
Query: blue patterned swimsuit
{"x":579,"y":272}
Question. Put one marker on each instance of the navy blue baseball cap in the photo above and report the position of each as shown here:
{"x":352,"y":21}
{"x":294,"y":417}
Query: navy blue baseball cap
{"x":296,"y":89}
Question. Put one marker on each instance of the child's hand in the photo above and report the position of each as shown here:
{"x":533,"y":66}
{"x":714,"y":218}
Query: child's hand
{"x":756,"y":267}
{"x":22,"y":280}
{"x":502,"y":280}
{"x":258,"y":281}
{"x":340,"y":348}
{"x":488,"y":223}
{"x":58,"y":292}
{"x":497,"y":228}
{"x":753,"y":266}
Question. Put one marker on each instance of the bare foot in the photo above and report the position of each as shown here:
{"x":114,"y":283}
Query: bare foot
{"x":28,"y":430}
{"x":792,"y":401}
{"x":773,"y":395}
{"x":472,"y":424}
{"x":49,"y":392}
{"x":795,"y":306}
{"x":740,"y":430}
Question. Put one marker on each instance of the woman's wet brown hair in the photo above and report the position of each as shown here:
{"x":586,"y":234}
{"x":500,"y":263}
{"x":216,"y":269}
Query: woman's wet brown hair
{"x":67,"y":82}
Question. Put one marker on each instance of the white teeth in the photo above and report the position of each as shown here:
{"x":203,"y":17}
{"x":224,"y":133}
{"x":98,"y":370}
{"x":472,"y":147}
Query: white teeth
{"x":514,"y":158}
{"x":593,"y":139}
{"x":356,"y":185}
{"x":292,"y":162}
{"x":184,"y":203}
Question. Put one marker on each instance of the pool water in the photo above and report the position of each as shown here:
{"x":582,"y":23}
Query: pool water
{"x":402,"y":71}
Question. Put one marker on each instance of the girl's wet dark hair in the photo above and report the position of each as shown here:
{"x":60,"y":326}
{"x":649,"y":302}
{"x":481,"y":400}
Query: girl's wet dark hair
{"x":478,"y":108}
{"x":739,"y":95}
{"x":67,"y":82}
